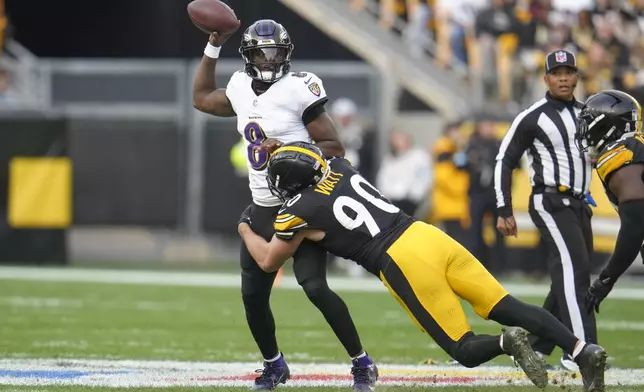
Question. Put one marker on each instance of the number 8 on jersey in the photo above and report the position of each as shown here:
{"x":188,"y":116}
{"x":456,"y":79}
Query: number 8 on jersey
{"x":255,"y":136}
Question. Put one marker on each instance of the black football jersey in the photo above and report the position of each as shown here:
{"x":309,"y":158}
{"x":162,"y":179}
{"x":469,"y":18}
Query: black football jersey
{"x":625,"y":151}
{"x":360,"y":224}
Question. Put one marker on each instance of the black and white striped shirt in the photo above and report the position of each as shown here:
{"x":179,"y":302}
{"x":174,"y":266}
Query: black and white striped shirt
{"x":547,"y":131}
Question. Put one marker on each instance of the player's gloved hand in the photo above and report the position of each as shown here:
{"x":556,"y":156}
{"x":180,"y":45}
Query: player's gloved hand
{"x":597,"y":292}
{"x":269,"y":145}
{"x":588,"y":199}
{"x":245,"y":216}
{"x":218,"y":39}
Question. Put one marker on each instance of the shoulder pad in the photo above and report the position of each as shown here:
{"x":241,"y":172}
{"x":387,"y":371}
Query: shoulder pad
{"x":308,"y":85}
{"x":340,"y":164}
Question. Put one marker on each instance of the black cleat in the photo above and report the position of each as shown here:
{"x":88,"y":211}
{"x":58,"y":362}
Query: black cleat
{"x":592,"y":364}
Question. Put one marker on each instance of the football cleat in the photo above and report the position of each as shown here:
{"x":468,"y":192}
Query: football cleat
{"x":592,"y":364}
{"x":365,"y":374}
{"x":273,"y":374}
{"x":516,"y":344}
{"x":540,"y":355}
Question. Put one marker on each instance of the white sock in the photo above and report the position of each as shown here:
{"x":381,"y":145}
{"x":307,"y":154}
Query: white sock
{"x":501,"y":342}
{"x":279,"y":355}
{"x":364,"y":354}
{"x":578,"y":349}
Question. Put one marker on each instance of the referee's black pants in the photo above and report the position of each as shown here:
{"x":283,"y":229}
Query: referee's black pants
{"x":564,"y":224}
{"x":309,"y":266}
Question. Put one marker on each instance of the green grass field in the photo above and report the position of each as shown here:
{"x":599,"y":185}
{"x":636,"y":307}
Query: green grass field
{"x":97,"y":321}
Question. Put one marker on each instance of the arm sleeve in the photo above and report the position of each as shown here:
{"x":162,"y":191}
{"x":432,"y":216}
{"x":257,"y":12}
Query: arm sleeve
{"x":516,"y":141}
{"x":629,"y":238}
{"x":313,"y":112}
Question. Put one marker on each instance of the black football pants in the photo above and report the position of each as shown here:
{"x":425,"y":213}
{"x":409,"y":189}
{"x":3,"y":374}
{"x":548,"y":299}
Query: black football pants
{"x":565,"y":227}
{"x":309,"y":266}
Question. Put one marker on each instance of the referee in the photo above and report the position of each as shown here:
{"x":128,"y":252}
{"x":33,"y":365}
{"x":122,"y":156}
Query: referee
{"x":560,"y":177}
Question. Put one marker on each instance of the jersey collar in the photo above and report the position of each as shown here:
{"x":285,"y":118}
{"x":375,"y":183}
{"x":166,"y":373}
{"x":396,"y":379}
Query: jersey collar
{"x":560,"y":104}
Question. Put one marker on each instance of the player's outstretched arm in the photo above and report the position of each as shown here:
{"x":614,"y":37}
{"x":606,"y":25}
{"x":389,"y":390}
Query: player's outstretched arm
{"x":626,"y":184}
{"x":323,"y":132}
{"x":271,"y":256}
{"x":206,"y":97}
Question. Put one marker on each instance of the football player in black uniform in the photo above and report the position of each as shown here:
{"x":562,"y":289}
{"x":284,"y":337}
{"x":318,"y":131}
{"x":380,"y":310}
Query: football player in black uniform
{"x":271,"y":103}
{"x":609,"y":129}
{"x":329,"y":202}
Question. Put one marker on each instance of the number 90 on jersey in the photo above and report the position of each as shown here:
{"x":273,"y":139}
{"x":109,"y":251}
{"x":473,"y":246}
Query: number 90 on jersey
{"x":255,"y":135}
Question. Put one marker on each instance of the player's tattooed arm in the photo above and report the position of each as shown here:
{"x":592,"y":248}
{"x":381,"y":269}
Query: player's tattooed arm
{"x":206,"y":97}
{"x":323,"y":132}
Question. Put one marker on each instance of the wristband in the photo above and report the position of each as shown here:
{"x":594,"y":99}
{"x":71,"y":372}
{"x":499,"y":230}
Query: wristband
{"x":212,"y":51}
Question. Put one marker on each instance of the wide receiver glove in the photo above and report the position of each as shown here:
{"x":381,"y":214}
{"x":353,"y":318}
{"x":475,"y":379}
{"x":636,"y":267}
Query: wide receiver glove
{"x":597,"y":292}
{"x":245,"y":216}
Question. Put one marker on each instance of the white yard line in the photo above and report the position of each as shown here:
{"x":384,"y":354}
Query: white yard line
{"x":132,"y":373}
{"x":210,"y":279}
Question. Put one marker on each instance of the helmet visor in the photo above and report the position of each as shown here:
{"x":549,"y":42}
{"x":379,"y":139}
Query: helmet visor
{"x":272,"y":55}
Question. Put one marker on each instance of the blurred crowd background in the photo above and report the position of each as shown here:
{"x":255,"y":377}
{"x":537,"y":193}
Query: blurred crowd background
{"x":435,"y":166}
{"x":504,"y":42}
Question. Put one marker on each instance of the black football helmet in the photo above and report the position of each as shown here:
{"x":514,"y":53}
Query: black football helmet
{"x":293,"y":167}
{"x":266,"y":48}
{"x":605,"y":118}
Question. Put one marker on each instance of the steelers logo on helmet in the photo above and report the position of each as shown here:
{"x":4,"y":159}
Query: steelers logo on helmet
{"x":266,"y":49}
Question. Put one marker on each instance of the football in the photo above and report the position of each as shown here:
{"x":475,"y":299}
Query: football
{"x":212,"y":15}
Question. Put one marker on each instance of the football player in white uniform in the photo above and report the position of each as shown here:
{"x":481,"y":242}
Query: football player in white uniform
{"x":274,"y":105}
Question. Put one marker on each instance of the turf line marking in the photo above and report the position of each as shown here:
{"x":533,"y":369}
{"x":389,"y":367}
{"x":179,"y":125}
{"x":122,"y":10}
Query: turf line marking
{"x":209,"y":279}
{"x":132,"y":373}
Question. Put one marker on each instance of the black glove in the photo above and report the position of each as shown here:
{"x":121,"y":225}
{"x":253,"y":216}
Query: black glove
{"x":597,"y":292}
{"x":245,"y":216}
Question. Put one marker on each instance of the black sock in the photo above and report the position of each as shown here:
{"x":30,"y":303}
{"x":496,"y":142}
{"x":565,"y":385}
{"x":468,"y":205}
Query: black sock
{"x":512,"y":312}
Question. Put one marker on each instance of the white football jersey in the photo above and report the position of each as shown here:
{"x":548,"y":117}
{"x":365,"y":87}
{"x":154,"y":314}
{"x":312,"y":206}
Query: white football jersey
{"x":275,"y":114}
